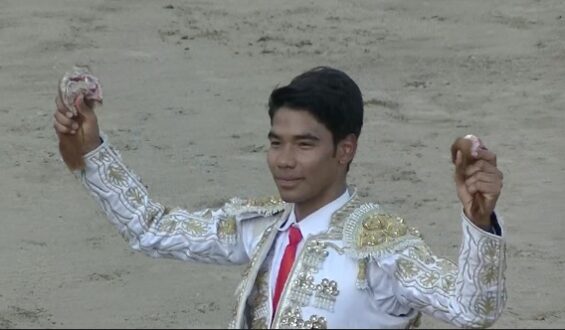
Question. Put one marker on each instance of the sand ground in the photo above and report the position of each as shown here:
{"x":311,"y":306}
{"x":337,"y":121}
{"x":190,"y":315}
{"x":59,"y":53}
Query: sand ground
{"x":186,"y":86}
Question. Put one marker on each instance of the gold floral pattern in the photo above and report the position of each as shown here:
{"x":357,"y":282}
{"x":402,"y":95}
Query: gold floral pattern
{"x":103,"y":157}
{"x":227,"y":229}
{"x":117,"y":175}
{"x":380,"y":228}
{"x":369,"y":232}
{"x":151,"y":214}
{"x":485,"y":305}
{"x":258,"y":301}
{"x":407,"y":269}
{"x":265,"y":206}
{"x":421,"y":269}
{"x":250,"y":273}
{"x":489,"y":274}
{"x":194,"y":228}
{"x":134,"y":196}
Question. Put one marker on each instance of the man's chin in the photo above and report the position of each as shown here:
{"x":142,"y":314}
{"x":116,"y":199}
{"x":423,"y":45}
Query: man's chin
{"x":289,"y":196}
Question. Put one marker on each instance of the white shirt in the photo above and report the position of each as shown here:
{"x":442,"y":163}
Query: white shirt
{"x":315,"y":223}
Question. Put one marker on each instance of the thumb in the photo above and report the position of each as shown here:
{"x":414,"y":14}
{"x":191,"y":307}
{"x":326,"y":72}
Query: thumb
{"x":84,"y":106}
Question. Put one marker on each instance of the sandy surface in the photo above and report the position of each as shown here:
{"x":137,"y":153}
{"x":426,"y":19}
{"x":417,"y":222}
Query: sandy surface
{"x":185,"y":101}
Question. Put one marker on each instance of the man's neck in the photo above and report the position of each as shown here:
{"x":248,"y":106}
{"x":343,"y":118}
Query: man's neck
{"x":302,"y":210}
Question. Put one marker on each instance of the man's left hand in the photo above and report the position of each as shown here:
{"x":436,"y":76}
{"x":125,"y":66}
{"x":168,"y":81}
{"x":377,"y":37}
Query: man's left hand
{"x":480,"y":187}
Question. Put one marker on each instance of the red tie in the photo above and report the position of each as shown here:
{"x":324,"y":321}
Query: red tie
{"x":294,"y":237}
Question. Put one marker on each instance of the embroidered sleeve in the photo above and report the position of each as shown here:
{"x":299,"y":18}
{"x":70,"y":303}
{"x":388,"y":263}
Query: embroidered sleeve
{"x":212,"y":236}
{"x":470,"y":294}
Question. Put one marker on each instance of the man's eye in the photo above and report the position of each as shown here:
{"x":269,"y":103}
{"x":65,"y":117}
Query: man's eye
{"x":275,"y":143}
{"x":305,"y":144}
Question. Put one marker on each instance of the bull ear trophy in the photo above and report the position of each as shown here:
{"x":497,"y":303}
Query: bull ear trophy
{"x":79,"y":81}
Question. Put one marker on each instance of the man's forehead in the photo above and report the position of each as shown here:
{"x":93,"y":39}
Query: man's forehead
{"x":291,"y":123}
{"x":297,"y":129}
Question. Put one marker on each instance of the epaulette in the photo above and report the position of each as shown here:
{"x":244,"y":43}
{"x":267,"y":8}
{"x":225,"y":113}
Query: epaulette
{"x":369,"y":232}
{"x":264,"y":206}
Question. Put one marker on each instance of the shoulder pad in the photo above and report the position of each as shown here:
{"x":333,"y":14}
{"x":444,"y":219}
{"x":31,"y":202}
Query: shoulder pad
{"x":252,"y":207}
{"x":370,"y":232}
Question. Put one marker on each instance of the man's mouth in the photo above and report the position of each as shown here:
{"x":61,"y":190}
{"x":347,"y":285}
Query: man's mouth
{"x":287,"y":182}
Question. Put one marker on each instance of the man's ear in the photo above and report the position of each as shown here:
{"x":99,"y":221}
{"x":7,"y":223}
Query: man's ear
{"x":346,"y":149}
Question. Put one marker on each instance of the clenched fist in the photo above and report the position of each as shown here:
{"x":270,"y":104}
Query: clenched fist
{"x":75,"y":122}
{"x":78,"y":133}
{"x":477,"y":178}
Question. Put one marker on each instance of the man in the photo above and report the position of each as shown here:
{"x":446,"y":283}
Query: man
{"x":317,"y":257}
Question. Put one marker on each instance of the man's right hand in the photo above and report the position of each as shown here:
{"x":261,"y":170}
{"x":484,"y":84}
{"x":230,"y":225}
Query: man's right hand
{"x":67,"y":126}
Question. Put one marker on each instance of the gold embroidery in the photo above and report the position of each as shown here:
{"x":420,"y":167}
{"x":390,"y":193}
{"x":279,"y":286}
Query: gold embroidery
{"x":301,"y":287}
{"x":380,"y":228}
{"x":259,"y":323}
{"x":258,"y":255}
{"x":361,"y":282}
{"x":134,"y":196}
{"x":292,"y":319}
{"x":151,"y":214}
{"x":489,"y":271}
{"x":103,"y":157}
{"x":227,"y":229}
{"x":448,"y":282}
{"x":406,"y":269}
{"x":195,"y":228}
{"x":178,"y":221}
{"x":258,"y":301}
{"x":423,"y":271}
{"x":266,"y":206}
{"x":430,"y":275}
{"x":422,"y":253}
{"x":270,"y":201}
{"x":489,"y":274}
{"x":429,"y":279}
{"x":116,"y":175}
{"x":337,"y":223}
{"x":485,"y":305}
{"x":490,"y":248}
{"x":168,"y":225}
{"x":368,"y":232}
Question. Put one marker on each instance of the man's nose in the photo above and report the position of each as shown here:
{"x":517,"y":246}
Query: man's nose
{"x":286,"y":158}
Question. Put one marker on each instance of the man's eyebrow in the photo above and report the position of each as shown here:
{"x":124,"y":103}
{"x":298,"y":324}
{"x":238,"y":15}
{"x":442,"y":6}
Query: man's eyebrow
{"x":307,"y":136}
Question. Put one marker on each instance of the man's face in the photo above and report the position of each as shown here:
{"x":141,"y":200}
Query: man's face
{"x":303,"y":160}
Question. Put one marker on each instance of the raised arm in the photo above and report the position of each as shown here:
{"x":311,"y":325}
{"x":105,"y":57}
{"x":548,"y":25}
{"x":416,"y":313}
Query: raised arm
{"x":223,"y":236}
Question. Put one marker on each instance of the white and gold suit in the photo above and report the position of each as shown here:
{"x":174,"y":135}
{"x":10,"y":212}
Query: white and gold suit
{"x":367,"y":269}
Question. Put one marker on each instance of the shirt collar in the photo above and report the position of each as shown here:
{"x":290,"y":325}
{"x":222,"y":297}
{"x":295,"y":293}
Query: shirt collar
{"x":319,"y":221}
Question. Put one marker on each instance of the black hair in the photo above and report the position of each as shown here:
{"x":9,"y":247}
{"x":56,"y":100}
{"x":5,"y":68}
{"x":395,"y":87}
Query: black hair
{"x":329,"y":95}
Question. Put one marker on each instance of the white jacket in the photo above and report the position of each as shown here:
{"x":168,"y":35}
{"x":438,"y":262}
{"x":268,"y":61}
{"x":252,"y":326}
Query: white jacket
{"x":369,"y":270}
